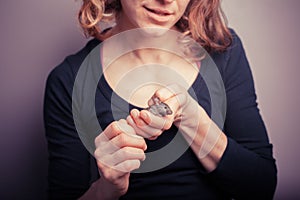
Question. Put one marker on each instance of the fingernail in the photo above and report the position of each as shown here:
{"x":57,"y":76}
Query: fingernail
{"x":134,"y":113}
{"x":144,"y":115}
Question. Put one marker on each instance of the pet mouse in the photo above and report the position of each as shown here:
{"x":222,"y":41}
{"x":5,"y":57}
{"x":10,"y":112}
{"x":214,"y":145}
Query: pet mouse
{"x":159,"y":108}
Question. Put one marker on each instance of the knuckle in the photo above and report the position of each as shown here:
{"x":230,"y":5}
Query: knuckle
{"x":128,"y":119}
{"x":131,"y":165}
{"x":115,"y":156}
{"x":96,"y":153}
{"x":143,"y":144}
{"x":126,"y":166}
{"x":99,"y":154}
{"x":157,"y":134}
{"x":140,"y":151}
{"x":107,"y":174}
{"x":122,"y":140}
{"x":140,"y":123}
{"x":122,"y":153}
{"x":100,"y":165}
{"x":122,"y":120}
{"x":114,"y":126}
{"x":167,"y":125}
{"x":142,"y":155}
{"x":136,"y":164}
{"x":96,"y":141}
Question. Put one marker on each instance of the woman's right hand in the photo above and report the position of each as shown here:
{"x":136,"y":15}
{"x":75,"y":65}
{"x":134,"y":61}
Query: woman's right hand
{"x":118,"y":152}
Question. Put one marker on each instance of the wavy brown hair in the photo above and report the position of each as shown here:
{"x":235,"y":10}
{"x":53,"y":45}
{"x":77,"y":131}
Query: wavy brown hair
{"x":203,"y":20}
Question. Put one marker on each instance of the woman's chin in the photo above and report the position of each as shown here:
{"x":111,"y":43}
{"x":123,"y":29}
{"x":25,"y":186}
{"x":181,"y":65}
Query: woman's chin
{"x":154,"y":31}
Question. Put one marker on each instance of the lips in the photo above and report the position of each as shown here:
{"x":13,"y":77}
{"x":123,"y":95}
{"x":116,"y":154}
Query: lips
{"x":159,"y":11}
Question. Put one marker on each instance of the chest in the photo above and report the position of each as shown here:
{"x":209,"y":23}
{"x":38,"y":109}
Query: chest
{"x":136,"y":83}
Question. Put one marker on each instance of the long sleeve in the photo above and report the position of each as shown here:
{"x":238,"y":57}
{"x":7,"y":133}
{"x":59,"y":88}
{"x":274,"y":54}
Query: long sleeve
{"x":69,"y":161}
{"x":247,"y":168}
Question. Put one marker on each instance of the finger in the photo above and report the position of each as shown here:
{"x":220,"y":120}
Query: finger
{"x":129,"y":130}
{"x":121,"y":141}
{"x":141,"y":123}
{"x":114,"y":129}
{"x":126,"y":153}
{"x":110,"y":132}
{"x":128,"y":166}
{"x":169,"y":91}
{"x":123,"y":125}
{"x":135,"y":114}
{"x":131,"y":122}
{"x":105,"y":148}
{"x":125,"y":140}
{"x":160,"y":123}
{"x":147,"y":132}
{"x":153,"y":138}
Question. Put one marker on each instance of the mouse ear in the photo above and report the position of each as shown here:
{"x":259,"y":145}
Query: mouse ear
{"x":156,"y":100}
{"x":153,"y":101}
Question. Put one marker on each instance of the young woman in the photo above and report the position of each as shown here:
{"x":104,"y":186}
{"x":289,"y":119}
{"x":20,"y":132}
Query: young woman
{"x":231,"y":159}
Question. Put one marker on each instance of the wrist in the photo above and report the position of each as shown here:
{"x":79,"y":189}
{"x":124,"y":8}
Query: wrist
{"x":100,"y":190}
{"x":107,"y":190}
{"x":193,"y":119}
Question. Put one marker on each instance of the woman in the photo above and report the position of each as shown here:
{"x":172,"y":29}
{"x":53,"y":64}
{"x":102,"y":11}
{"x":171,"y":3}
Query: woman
{"x":221,"y":162}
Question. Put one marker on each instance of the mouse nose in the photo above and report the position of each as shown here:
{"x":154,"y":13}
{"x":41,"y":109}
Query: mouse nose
{"x":169,"y":112}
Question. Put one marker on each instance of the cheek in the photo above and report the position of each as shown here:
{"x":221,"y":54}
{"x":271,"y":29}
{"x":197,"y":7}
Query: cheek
{"x":131,"y":9}
{"x":182,"y":6}
{"x":126,"y":7}
{"x":185,"y":5}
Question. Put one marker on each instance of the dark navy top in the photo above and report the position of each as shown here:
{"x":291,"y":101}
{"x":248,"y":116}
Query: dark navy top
{"x":246,"y":170}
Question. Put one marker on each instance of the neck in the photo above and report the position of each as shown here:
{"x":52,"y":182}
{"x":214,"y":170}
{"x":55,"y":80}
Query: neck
{"x":150,"y":56}
{"x":147,"y":46}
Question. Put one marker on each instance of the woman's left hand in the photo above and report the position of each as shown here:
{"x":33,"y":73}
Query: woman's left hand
{"x":186,"y":114}
{"x":204,"y":137}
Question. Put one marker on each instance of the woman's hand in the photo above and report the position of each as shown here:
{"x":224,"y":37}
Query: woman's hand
{"x":202,"y":134}
{"x":185,"y":111}
{"x":118,"y":152}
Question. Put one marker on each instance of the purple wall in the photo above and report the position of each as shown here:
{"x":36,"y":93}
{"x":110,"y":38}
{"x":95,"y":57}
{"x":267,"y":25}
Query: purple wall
{"x":36,"y":35}
{"x":270,"y":32}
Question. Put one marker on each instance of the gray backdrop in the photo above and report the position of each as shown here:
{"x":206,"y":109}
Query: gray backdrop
{"x":36,"y":35}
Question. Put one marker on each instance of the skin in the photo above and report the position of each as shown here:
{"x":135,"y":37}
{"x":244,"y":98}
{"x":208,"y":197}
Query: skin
{"x":120,"y":147}
{"x":194,"y":123}
{"x":135,"y":13}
